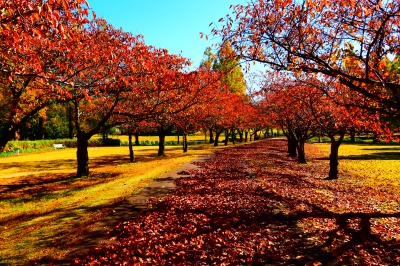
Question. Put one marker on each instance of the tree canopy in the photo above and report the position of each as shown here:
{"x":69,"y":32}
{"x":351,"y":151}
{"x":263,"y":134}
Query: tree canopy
{"x":351,"y":41}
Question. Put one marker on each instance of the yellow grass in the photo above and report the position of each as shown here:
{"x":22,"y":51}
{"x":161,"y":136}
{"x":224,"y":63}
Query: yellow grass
{"x":371,"y":164}
{"x":45,"y":210}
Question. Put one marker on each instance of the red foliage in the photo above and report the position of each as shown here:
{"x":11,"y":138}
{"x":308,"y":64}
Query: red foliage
{"x":251,"y":205}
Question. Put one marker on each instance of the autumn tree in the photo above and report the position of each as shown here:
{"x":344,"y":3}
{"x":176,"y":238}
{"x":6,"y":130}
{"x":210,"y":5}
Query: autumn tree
{"x":204,"y":83}
{"x":227,"y":62}
{"x":289,"y":113}
{"x":350,"y":41}
{"x":103,"y":64}
{"x":332,"y":119}
{"x":166,"y":93}
{"x":35,"y":43}
{"x":301,"y":108}
{"x":221,"y":113}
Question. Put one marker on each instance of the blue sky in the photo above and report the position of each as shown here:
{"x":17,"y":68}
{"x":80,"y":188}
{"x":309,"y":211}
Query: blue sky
{"x":170,"y":24}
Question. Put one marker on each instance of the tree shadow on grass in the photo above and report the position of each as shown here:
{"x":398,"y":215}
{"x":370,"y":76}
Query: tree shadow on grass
{"x":47,"y":184}
{"x":35,"y":166}
{"x":71,"y":232}
{"x":122,"y":211}
{"x":374,"y":156}
{"x":50,"y":186}
{"x":382,"y":149}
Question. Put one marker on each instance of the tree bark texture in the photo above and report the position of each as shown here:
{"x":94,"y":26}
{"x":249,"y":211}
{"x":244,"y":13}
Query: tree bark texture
{"x":334,"y":160}
{"x":131,"y":153}
{"x":301,"y":158}
{"x":184,"y":143}
{"x":82,"y":156}
{"x":161,"y":143}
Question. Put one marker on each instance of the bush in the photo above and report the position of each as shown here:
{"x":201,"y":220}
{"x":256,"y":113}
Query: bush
{"x":356,"y":140}
{"x":125,"y":143}
{"x":110,"y":142}
{"x":145,"y":142}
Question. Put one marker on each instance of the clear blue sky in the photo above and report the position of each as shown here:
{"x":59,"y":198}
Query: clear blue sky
{"x":171,"y":24}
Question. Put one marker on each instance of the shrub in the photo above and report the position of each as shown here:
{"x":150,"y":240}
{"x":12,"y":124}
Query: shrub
{"x":125,"y":143}
{"x":110,"y":142}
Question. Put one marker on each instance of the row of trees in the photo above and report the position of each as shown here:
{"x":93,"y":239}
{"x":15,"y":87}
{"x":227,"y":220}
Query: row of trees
{"x":335,"y":65}
{"x":57,"y":62}
{"x":302,"y":110}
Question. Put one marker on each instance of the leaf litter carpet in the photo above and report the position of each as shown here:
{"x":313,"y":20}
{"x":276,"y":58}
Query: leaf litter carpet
{"x":253,"y":205}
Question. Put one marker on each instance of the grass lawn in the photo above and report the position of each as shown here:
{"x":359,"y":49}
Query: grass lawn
{"x":155,"y":138}
{"x":374,"y":165}
{"x":44,"y":209}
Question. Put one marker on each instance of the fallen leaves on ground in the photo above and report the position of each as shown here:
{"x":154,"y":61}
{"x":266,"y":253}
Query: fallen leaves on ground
{"x":252,"y":205}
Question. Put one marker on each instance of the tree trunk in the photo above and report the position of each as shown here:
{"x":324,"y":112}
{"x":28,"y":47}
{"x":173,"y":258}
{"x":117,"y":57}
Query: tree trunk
{"x":184,"y":143}
{"x":5,"y":138}
{"x":301,"y":152}
{"x":131,"y":154}
{"x":212,"y":137}
{"x":41,"y":128}
{"x":226,"y":137}
{"x":137,"y":139}
{"x":333,"y":160}
{"x":246,"y":135}
{"x":161,"y":143}
{"x":70,"y":122}
{"x":82,"y":156}
{"x":216,"y":138}
{"x":233,"y":136}
{"x":352,"y":135}
{"x":375,"y":138}
{"x":178,"y":140}
{"x":334,"y":156}
{"x":3,"y":143}
{"x":241,"y":136}
{"x":292,"y":145}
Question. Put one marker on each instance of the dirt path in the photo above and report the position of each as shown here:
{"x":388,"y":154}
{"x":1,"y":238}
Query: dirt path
{"x":130,"y":208}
